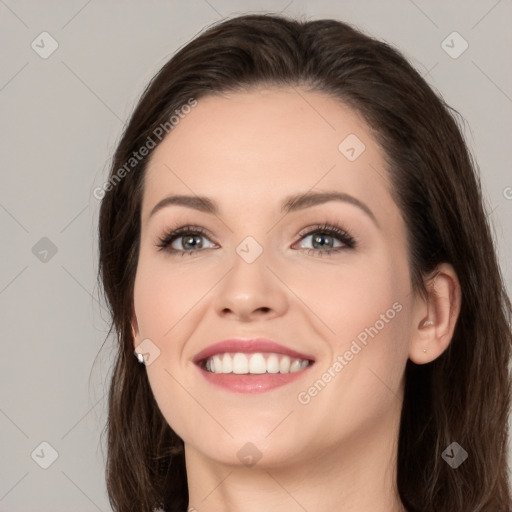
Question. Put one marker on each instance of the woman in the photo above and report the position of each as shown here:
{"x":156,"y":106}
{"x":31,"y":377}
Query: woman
{"x":309,"y":310}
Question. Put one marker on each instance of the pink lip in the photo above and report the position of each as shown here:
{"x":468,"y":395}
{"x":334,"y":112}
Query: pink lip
{"x":251,"y":383}
{"x":248,"y":347}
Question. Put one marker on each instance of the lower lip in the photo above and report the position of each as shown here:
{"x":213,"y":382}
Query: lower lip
{"x":252,"y":383}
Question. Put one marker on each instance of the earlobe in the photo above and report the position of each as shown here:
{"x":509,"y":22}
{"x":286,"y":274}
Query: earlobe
{"x":437,"y":316}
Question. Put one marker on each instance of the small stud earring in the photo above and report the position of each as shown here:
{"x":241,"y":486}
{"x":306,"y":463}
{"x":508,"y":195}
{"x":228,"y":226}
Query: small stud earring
{"x":140,"y":357}
{"x":424,"y":350}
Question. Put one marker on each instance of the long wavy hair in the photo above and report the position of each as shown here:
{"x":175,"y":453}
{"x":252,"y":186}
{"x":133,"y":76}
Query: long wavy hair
{"x":464,"y":395}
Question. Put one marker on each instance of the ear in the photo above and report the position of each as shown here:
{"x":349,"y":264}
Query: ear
{"x":435,"y":318}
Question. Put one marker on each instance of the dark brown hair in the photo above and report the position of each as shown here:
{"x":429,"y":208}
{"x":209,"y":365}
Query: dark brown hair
{"x":464,"y":395}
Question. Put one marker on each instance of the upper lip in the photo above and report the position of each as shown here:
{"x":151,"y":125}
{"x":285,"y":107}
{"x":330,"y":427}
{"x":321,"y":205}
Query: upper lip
{"x":248,"y":346}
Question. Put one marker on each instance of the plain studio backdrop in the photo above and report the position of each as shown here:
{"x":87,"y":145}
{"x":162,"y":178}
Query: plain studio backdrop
{"x":71,"y":73}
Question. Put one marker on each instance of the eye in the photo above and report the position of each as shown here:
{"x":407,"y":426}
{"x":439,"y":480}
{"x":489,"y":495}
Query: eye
{"x":324,"y":235}
{"x":188,"y":238}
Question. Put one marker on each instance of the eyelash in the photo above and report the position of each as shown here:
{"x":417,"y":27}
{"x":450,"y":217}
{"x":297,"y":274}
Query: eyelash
{"x":326,"y":229}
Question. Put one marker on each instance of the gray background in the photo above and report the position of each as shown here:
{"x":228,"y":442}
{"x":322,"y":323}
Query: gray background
{"x":61,"y":118}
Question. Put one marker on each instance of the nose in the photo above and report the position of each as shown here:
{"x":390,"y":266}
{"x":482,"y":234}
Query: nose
{"x":251,"y":291}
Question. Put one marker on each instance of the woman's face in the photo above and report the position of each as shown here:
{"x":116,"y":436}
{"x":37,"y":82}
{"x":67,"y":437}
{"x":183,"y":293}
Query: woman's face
{"x":260,"y":270}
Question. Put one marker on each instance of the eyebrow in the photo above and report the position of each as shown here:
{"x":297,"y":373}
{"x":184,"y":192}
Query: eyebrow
{"x":290,"y":204}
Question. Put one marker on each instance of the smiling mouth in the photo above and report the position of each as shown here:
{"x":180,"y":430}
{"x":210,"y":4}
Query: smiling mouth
{"x":257,"y":363}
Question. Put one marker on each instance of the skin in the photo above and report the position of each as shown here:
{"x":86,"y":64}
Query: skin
{"x":248,"y":151}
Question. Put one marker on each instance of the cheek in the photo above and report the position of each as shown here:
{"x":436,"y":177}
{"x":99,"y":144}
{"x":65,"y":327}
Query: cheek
{"x":348,"y":300}
{"x":164,"y":299}
{"x":164,"y":294}
{"x":381,"y":327}
{"x":365,"y":311}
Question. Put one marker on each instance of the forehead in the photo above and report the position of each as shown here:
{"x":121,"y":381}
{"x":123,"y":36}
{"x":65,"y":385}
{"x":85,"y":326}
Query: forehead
{"x":253,"y":148}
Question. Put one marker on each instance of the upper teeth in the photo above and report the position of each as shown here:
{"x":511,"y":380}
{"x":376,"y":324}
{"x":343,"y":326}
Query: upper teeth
{"x":257,"y":363}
